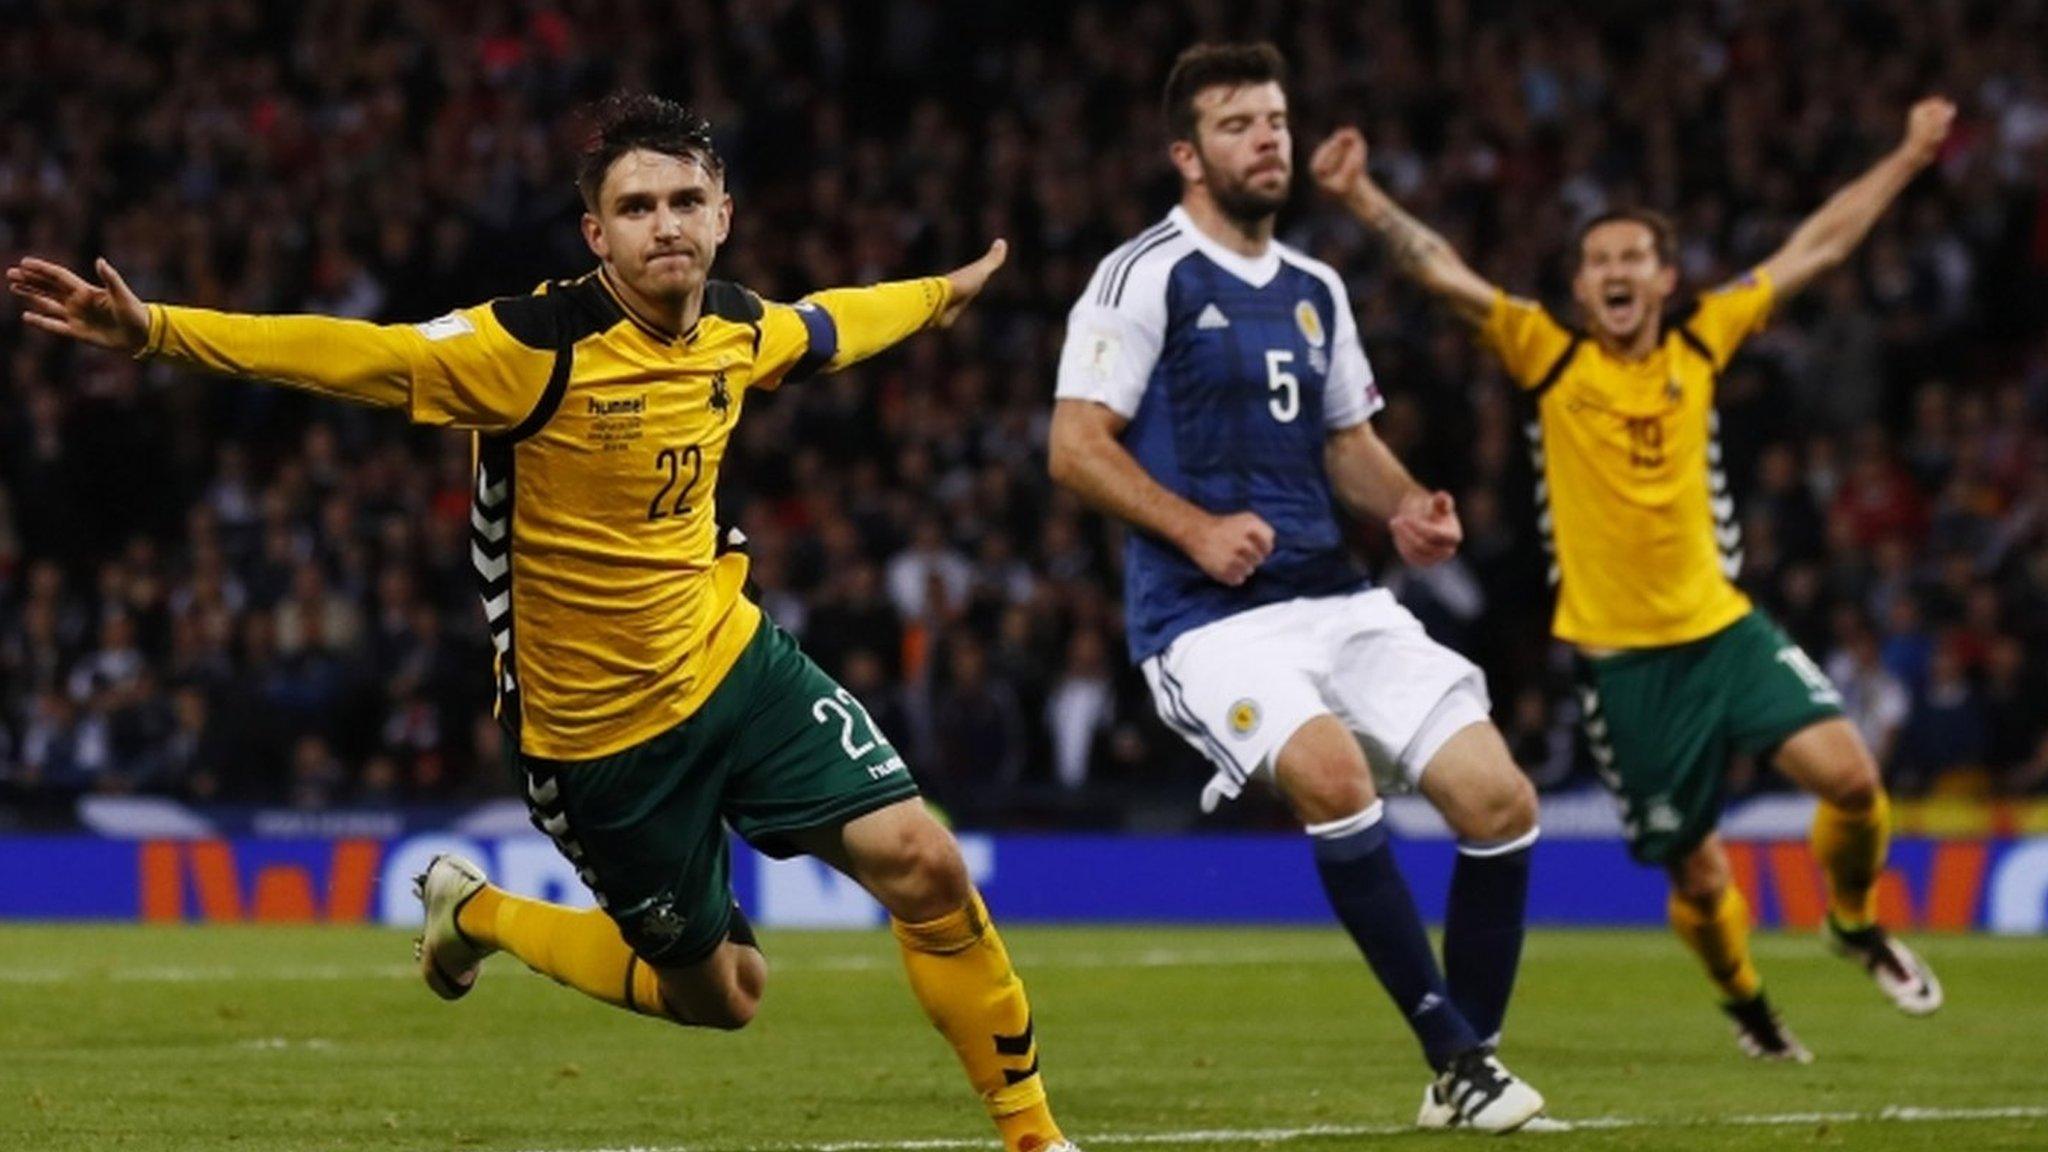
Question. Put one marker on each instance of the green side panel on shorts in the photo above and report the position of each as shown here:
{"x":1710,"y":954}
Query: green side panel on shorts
{"x":1666,"y":720}
{"x":778,"y":748}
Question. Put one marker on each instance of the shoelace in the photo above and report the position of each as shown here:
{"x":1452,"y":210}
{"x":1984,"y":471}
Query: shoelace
{"x":1878,"y":952}
{"x":1474,"y":1085}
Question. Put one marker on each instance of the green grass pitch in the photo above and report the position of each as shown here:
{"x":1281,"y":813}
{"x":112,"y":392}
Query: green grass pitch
{"x":1176,"y":1040}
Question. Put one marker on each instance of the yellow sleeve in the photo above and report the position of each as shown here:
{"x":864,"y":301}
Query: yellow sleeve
{"x":1732,"y":313}
{"x":462,"y":370}
{"x":841,"y":326}
{"x":1526,"y":337}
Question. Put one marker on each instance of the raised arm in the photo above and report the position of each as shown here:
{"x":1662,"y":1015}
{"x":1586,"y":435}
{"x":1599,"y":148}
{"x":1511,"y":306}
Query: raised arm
{"x":1339,"y":168}
{"x":1826,"y":238}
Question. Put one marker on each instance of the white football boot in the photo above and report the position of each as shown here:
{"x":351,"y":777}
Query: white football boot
{"x":1898,"y":971}
{"x":448,"y":960}
{"x":1478,"y":1092}
{"x":1761,"y":1033}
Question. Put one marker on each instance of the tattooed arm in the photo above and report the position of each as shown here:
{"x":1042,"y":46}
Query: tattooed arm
{"x":1339,"y":168}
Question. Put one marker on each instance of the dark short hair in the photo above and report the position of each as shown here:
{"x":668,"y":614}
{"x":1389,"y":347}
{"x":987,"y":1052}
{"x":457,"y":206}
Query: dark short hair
{"x":1206,"y":66}
{"x":1663,"y":235}
{"x":634,"y":121}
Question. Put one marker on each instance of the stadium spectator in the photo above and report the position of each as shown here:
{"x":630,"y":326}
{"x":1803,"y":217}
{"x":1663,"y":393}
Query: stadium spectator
{"x":1874,"y":699}
{"x":1081,"y":706}
{"x":329,"y":164}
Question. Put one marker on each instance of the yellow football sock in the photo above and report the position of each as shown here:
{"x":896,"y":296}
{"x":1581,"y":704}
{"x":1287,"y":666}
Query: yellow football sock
{"x":1851,"y":848}
{"x":961,"y":974}
{"x":1720,"y":940}
{"x":579,"y":947}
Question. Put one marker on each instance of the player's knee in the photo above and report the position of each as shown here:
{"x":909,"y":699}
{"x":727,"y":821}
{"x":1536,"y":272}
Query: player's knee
{"x":1702,"y":890}
{"x":1328,"y":789}
{"x":741,"y":1006}
{"x":1700,"y":878}
{"x":922,"y":875}
{"x":1515,"y":815}
{"x":726,"y":1005}
{"x":1856,"y":789}
{"x":732,"y":1011}
{"x":1505,"y":810}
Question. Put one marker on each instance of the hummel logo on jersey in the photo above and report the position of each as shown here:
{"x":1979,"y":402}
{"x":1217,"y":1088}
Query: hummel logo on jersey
{"x":1212,"y":317}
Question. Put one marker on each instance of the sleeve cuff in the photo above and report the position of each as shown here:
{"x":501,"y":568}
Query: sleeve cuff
{"x":154,"y":341}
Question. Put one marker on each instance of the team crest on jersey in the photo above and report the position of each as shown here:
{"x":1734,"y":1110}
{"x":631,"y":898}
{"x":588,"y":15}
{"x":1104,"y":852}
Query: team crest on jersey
{"x":1310,"y":323}
{"x":1244,"y":717}
{"x":721,"y":395}
{"x":662,"y":923}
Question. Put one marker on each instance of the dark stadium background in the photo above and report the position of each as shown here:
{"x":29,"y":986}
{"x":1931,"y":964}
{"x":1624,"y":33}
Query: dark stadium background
{"x":228,"y":593}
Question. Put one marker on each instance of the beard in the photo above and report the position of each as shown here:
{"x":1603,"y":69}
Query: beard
{"x":1239,"y":200}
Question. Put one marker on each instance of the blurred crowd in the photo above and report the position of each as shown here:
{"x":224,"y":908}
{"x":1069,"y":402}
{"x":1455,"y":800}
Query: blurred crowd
{"x":222,"y":591}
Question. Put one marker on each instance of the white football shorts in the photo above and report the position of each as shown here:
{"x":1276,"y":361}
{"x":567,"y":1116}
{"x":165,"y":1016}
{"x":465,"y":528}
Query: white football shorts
{"x":1238,"y":688}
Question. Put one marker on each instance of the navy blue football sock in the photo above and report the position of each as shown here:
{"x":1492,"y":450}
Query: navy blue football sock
{"x":1483,"y":930}
{"x":1373,"y":904}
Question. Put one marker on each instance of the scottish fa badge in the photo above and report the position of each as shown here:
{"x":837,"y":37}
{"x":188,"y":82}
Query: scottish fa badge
{"x":1311,"y":324}
{"x":1244,"y":717}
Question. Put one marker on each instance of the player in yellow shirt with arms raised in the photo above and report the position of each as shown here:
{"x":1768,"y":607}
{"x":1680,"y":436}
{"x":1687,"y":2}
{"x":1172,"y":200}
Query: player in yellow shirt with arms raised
{"x":647,"y":701}
{"x":1678,"y":669}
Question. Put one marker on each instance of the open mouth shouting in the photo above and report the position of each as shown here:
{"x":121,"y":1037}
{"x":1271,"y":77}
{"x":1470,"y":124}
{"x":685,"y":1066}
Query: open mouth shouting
{"x":1621,"y":307}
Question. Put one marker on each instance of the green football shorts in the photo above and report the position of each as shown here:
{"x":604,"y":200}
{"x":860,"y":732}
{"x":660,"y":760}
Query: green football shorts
{"x":779,"y":748}
{"x":1660,"y":724}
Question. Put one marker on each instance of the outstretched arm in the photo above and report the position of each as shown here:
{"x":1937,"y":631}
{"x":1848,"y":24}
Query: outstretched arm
{"x":843,"y":326}
{"x":1826,"y":238}
{"x":462,"y":370}
{"x":56,"y":299}
{"x":1339,"y":168}
{"x":1373,"y":484}
{"x":299,"y":350}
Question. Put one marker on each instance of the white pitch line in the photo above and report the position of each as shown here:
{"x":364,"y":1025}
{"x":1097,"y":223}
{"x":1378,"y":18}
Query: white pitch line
{"x":1889,"y":1115}
{"x":191,"y":974}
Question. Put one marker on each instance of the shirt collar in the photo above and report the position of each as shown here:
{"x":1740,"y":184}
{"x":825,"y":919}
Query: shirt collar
{"x":1257,"y":271}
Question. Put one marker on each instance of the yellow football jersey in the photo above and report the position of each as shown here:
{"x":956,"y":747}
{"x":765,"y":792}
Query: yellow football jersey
{"x":1631,"y":494}
{"x":598,"y":447}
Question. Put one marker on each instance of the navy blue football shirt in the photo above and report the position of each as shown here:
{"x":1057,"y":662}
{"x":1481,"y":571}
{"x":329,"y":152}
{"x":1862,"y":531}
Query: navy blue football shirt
{"x":1231,"y":371}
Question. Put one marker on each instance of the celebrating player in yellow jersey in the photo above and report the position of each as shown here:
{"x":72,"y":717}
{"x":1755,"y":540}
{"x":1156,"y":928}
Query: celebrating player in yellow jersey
{"x":647,"y":700}
{"x":1677,"y":667}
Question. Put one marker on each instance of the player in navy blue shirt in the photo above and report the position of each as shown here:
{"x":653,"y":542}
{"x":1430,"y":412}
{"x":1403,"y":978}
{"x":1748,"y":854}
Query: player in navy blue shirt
{"x":1213,"y":394}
